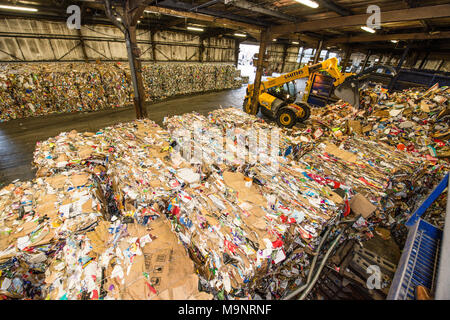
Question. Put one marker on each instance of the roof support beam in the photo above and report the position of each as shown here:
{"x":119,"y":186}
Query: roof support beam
{"x":415,"y":4}
{"x":183,"y":6}
{"x":205,"y":5}
{"x":256,"y":8}
{"x":230,"y":24}
{"x":430,"y":12}
{"x":387,"y":37}
{"x":329,"y":4}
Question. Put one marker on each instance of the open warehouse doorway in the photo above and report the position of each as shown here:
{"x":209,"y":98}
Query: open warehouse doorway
{"x":245,"y":61}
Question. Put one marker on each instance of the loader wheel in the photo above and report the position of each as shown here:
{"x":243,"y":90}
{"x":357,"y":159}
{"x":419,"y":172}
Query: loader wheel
{"x":306,"y":112}
{"x":286,"y":118}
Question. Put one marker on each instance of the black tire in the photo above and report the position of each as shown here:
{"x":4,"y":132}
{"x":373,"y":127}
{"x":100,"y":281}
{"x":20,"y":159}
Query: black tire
{"x":286,"y":118}
{"x":306,"y":112}
{"x":266,"y":112}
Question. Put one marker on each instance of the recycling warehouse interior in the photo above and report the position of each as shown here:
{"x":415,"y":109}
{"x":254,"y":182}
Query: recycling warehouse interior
{"x":228,"y":150}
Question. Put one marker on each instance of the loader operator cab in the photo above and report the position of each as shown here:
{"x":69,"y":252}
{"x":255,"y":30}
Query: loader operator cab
{"x":286,"y":92}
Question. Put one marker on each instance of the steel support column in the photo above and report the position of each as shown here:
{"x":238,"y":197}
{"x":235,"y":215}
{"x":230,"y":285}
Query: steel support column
{"x":201,"y":49}
{"x":83,"y":46}
{"x":136,"y":72}
{"x":283,"y":64}
{"x":264,"y":39}
{"x":132,"y":11}
{"x":236,"y":52}
{"x":366,"y":60}
{"x":301,"y":58}
{"x":422,"y":64}
{"x":402,"y":59}
{"x":318,"y":51}
{"x":348,"y":53}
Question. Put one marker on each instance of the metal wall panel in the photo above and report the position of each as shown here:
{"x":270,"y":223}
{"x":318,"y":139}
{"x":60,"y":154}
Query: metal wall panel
{"x":36,"y":40}
{"x":275,"y":57}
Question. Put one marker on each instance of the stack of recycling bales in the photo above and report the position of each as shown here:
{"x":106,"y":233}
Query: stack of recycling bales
{"x":251,"y":228}
{"x":166,"y":80}
{"x":126,"y":194}
{"x":106,"y":244}
{"x":33,"y":90}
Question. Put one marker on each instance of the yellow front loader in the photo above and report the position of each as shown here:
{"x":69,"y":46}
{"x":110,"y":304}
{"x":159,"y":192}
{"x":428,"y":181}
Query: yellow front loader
{"x":276,"y":96}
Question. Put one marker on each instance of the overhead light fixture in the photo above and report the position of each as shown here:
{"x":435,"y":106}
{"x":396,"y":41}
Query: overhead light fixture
{"x":139,"y":21}
{"x":118,"y":19}
{"x":274,"y":39}
{"x":18,"y":8}
{"x":368,"y":29}
{"x":295,"y":42}
{"x":240,"y":35}
{"x":394,"y":41}
{"x":309,"y":3}
{"x":195,"y":29}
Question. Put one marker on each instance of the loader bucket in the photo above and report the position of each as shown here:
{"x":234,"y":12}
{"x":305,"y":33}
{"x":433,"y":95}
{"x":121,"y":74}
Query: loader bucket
{"x":349,"y":92}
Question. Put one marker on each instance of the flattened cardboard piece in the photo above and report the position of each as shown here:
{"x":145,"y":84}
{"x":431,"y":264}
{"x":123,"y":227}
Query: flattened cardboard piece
{"x":48,"y":207}
{"x":360,"y":205}
{"x":236,"y":181}
{"x":342,"y":154}
{"x":99,"y":237}
{"x":85,"y":152}
{"x":56,"y":181}
{"x":367,"y":128}
{"x":355,"y":125}
{"x":87,"y":206}
{"x":27,"y":228}
{"x":79,"y":179}
{"x":5,"y":241}
{"x":253,"y":221}
{"x":62,"y":158}
{"x":168,"y":269}
{"x":135,"y":282}
{"x":45,"y":240}
{"x":424,"y":106}
{"x":381,"y":113}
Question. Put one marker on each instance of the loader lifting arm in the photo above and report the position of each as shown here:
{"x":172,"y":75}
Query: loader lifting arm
{"x":329,"y":65}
